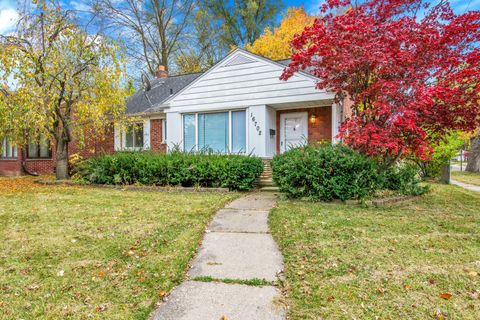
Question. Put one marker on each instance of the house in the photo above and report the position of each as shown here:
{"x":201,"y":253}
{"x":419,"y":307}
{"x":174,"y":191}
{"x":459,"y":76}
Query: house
{"x":38,"y":157}
{"x":239,"y":106}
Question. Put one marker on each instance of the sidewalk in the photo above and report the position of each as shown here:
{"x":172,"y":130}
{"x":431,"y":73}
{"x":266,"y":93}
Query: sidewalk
{"x":236,"y":248}
{"x":467,"y":186}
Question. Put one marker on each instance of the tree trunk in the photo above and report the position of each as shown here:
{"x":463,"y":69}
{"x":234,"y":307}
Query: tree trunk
{"x":473,"y":161}
{"x":61,"y":170}
{"x":445,"y":171}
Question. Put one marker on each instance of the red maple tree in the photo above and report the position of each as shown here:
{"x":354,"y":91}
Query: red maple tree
{"x":410,"y":68}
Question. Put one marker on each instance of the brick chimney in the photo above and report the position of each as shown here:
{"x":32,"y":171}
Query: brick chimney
{"x":161,"y":72}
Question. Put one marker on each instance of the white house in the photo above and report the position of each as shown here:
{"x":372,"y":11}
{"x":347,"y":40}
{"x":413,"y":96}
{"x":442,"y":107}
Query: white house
{"x":240,"y":105}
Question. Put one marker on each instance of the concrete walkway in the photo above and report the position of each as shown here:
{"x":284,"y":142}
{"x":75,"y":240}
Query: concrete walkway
{"x":467,"y":186}
{"x":237,"y":246}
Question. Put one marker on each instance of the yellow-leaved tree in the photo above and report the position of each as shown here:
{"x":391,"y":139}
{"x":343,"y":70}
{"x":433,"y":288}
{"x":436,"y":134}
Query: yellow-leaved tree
{"x":275,"y":44}
{"x":59,"y":83}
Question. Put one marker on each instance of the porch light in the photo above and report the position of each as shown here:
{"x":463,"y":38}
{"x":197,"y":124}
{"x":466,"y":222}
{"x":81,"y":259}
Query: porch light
{"x":313,"y":118}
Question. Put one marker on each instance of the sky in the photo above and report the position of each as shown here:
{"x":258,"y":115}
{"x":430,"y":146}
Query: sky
{"x":9,"y":15}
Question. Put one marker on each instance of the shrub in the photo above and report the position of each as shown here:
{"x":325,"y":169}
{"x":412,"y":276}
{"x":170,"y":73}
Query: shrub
{"x":235,"y":172}
{"x":444,"y":151}
{"x":325,"y":173}
{"x":403,"y":178}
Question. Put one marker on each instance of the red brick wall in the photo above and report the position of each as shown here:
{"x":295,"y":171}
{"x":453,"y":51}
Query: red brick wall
{"x":47,"y":166}
{"x":319,"y":130}
{"x":10,"y":167}
{"x":101,"y":145}
{"x":156,"y":136}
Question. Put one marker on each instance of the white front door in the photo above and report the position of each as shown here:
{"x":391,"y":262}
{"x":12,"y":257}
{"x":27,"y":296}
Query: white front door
{"x":293,"y":130}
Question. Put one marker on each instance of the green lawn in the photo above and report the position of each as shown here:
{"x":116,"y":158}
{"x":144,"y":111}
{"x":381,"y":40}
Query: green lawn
{"x":87,"y":253}
{"x":401,"y":262}
{"x":466,"y":177}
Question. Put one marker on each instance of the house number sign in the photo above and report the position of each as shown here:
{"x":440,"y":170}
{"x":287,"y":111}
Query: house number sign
{"x":255,"y":123}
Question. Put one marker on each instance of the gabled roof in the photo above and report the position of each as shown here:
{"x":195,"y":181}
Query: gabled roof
{"x":231,"y":56}
{"x":162,"y":88}
{"x":165,"y":89}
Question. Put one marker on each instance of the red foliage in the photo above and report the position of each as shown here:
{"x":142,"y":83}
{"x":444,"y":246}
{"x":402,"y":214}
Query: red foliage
{"x":411,"y":70}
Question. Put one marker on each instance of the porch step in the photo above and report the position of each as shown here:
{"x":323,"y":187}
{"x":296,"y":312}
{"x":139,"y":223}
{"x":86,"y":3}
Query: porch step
{"x":265,"y":179}
{"x":269,"y":189}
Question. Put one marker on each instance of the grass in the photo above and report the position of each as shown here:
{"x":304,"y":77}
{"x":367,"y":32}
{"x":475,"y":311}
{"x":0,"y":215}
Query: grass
{"x":467,"y":177}
{"x":400,"y":262}
{"x":87,"y":253}
{"x":250,"y":282}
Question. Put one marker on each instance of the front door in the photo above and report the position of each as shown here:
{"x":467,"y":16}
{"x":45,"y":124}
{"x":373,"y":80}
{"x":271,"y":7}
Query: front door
{"x":293,"y":130}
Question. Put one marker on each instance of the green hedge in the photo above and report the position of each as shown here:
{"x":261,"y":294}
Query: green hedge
{"x":325,"y":173}
{"x":329,"y":172}
{"x":235,"y":172}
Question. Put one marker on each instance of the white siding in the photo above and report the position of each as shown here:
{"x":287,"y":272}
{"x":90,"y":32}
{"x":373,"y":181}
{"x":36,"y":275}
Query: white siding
{"x":253,"y":83}
{"x":146,"y":134}
{"x":174,"y":130}
{"x":256,"y":127}
{"x":117,"y":137}
{"x":271,"y":141}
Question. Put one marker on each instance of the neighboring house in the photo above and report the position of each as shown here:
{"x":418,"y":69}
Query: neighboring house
{"x":240,"y":106}
{"x":39,"y":156}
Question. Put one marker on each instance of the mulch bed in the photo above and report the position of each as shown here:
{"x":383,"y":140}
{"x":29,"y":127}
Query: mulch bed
{"x":134,"y":188}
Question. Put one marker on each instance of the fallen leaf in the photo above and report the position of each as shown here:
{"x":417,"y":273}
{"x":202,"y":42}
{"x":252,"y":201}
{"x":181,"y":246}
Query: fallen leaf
{"x":431,"y":281}
{"x":446,"y":296}
{"x":224,"y":318}
{"x":101,"y":308}
{"x":33,"y":287}
{"x":331,"y":298}
{"x":472,"y":274}
{"x":101,"y":274}
{"x":475,"y":295}
{"x":380,"y":290}
{"x":440,"y":315}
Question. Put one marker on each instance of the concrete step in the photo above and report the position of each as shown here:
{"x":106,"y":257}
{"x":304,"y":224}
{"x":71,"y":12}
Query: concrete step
{"x":267,"y":184}
{"x":269,"y":189}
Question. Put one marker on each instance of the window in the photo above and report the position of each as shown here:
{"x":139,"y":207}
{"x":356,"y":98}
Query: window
{"x":189,"y":132}
{"x":8,"y":149}
{"x":213,"y":131}
{"x":134,"y":136}
{"x":218,"y":131}
{"x":239,"y":131}
{"x":39,"y":149}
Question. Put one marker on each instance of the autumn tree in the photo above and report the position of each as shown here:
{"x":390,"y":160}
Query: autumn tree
{"x":66,"y":82}
{"x":411,"y":69}
{"x":275,"y":44}
{"x":239,"y":22}
{"x":151,"y":29}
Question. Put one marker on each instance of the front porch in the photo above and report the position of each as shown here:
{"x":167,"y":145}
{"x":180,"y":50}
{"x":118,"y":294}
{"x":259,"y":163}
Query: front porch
{"x":284,"y":126}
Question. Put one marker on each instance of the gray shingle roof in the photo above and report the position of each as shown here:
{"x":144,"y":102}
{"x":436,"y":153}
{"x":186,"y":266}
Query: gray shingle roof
{"x":162,"y":88}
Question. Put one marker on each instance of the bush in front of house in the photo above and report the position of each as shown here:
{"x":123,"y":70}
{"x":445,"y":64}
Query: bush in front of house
{"x":236,"y":172}
{"x":325,"y":173}
{"x":329,"y":172}
{"x":403,"y":178}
